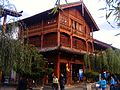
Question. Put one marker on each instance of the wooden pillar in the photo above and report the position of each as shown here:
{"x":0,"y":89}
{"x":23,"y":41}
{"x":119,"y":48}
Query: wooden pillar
{"x":58,"y":40}
{"x":42,"y":41}
{"x":58,"y":34}
{"x":42,"y":36}
{"x":68,"y":66}
{"x":70,"y":73}
{"x":86,"y":45}
{"x":4,"y":24}
{"x":57,"y":66}
{"x":71,"y":43}
{"x":92,"y":41}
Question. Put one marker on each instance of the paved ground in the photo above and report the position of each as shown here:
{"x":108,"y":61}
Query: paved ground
{"x":7,"y":88}
{"x":72,"y":87}
{"x":75,"y":87}
{"x":69,"y":87}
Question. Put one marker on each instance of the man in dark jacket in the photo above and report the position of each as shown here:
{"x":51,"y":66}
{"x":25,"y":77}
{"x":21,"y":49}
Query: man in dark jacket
{"x":22,"y":84}
{"x":62,"y":82}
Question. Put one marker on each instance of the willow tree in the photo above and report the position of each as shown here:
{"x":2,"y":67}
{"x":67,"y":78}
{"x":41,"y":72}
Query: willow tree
{"x":112,"y":9}
{"x":28,"y":61}
{"x":108,"y":60}
{"x":87,"y":61}
{"x":113,"y":61}
{"x":98,"y":61}
{"x":117,"y":61}
{"x":15,"y":54}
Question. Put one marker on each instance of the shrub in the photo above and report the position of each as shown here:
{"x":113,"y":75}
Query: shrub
{"x":91,"y":75}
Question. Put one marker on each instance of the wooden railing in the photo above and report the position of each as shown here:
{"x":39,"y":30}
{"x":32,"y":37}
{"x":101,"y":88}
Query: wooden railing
{"x":79,"y":33}
{"x":66,"y":28}
{"x":40,"y":29}
{"x":50,"y":26}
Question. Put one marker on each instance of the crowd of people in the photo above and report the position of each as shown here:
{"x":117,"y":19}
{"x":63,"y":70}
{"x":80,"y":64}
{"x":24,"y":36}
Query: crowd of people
{"x":104,"y":80}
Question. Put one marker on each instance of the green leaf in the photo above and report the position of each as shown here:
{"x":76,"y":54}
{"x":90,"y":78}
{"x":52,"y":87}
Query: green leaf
{"x":108,"y":15}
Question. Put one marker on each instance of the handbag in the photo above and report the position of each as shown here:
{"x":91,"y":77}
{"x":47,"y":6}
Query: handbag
{"x":97,"y":85}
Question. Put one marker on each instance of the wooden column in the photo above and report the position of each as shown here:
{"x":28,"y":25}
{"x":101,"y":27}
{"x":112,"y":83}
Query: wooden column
{"x":68,"y":66}
{"x":87,"y":45}
{"x":70,"y":73}
{"x":42,"y":41}
{"x":58,"y":34}
{"x":71,"y":43}
{"x":4,"y":24}
{"x":42,"y":35}
{"x":57,"y":66}
{"x":92,"y":41}
{"x":58,"y":40}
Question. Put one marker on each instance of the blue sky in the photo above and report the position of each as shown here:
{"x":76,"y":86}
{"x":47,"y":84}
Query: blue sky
{"x":106,"y":32}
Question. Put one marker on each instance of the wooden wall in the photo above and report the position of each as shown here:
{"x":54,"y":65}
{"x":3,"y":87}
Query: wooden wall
{"x":68,"y":29}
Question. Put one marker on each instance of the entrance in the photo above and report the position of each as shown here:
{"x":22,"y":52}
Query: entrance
{"x":63,"y":70}
{"x":50,"y":65}
{"x":75,"y":71}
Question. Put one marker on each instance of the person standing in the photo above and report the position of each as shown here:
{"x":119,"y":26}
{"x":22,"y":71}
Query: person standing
{"x":62,"y":82}
{"x":112,"y":83}
{"x":55,"y":83}
{"x":52,"y":81}
{"x":22,"y":84}
{"x":103,"y":83}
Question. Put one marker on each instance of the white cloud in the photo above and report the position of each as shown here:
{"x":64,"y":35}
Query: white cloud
{"x":108,"y":36}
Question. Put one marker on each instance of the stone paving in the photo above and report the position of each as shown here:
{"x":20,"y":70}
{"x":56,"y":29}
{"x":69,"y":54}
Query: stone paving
{"x":7,"y":88}
{"x":82,"y":86}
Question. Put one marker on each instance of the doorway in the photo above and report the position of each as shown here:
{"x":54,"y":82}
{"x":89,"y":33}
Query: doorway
{"x":63,"y":70}
{"x":75,"y":71}
{"x":50,"y":65}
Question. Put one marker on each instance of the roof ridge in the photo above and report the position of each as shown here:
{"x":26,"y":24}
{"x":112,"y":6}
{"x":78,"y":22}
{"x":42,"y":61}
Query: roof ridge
{"x":71,"y":4}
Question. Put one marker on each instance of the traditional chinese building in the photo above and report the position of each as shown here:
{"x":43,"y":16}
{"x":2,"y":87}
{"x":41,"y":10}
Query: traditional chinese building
{"x":101,"y":46}
{"x":63,"y":38}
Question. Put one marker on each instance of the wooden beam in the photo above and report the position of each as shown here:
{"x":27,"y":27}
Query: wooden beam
{"x":4,"y":24}
{"x":10,"y":12}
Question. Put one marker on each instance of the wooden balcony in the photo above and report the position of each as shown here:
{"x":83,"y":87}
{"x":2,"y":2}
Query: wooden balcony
{"x":65,"y":28}
{"x":38,"y":30}
{"x":78,"y":33}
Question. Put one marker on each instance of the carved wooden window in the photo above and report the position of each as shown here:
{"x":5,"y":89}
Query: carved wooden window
{"x":63,"y":20}
{"x":74,"y":24}
{"x":78,"y":26}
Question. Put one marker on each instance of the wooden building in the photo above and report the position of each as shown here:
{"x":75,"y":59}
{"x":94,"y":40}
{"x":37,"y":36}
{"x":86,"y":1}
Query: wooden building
{"x":101,"y":46}
{"x":63,"y":38}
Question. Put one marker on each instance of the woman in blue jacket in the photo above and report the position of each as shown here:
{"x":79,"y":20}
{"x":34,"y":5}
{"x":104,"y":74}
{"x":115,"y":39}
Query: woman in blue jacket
{"x":103,"y":83}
